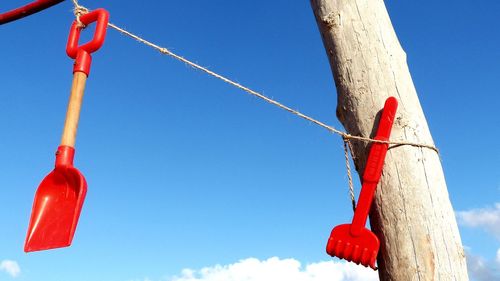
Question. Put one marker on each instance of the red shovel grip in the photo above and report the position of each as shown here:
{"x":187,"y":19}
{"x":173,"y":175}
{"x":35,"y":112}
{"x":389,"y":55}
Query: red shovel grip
{"x":26,"y":10}
{"x":81,"y":53}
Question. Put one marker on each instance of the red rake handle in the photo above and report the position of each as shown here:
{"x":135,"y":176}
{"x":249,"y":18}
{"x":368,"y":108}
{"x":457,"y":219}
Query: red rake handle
{"x":26,"y":10}
{"x":374,"y":165}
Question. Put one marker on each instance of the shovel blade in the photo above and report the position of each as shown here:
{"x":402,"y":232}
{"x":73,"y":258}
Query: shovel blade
{"x":56,"y":209}
{"x":360,"y":249}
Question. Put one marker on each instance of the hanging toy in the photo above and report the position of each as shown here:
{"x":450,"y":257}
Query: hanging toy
{"x":354,"y":242}
{"x":59,"y":198}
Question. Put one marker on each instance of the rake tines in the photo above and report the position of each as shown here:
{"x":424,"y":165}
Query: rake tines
{"x":362,"y":249}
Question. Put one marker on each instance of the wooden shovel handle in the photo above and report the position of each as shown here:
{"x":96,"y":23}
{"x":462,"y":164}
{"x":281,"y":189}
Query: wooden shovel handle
{"x":74,"y":106}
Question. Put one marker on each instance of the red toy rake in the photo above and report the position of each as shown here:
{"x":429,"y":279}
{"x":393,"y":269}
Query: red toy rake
{"x":354,"y":242}
{"x":59,"y":198}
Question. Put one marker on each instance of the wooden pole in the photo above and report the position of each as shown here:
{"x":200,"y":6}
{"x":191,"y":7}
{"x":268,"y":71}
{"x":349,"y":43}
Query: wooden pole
{"x":412,"y":214}
{"x":74,"y":106}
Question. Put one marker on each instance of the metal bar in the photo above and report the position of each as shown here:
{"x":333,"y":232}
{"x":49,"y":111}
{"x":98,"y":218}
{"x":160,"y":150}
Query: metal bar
{"x":29,"y":9}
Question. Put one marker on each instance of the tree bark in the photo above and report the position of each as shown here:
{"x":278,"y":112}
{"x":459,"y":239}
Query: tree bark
{"x":412,"y":214}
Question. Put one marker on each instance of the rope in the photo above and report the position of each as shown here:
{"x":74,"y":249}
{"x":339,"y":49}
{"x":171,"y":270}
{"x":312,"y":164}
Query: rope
{"x":347,"y":147}
{"x":261,"y":96}
{"x":81,"y":10}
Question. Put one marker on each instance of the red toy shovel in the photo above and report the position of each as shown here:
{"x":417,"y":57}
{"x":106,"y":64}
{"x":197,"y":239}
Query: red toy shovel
{"x":59,"y":198}
{"x":354,"y":242}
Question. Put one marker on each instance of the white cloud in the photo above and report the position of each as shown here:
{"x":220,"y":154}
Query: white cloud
{"x":487,"y":218}
{"x":481,"y":269}
{"x":273,"y":269}
{"x":10,"y":267}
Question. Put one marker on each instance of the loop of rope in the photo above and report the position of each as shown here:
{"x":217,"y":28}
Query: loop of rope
{"x":347,"y":138}
{"x":347,"y":147}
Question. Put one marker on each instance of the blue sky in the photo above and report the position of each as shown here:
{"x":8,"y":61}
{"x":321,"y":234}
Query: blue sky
{"x":185,"y":171}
